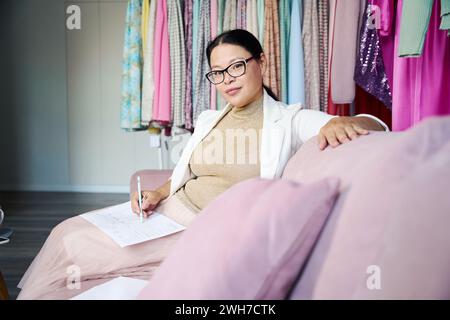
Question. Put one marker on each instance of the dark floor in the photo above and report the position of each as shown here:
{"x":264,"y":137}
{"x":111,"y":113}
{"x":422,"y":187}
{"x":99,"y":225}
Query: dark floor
{"x":32,"y":215}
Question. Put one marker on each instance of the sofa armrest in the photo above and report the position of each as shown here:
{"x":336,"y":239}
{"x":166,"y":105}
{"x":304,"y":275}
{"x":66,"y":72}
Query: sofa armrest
{"x":150,"y":179}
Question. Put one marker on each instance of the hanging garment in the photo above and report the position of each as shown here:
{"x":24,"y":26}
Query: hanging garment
{"x":195,"y":23}
{"x":272,"y":77}
{"x":445,"y":16}
{"x":230,"y":15}
{"x":333,"y":108}
{"x":296,"y":73}
{"x":202,"y":87}
{"x":261,"y":20}
{"x":337,"y":109}
{"x":130,"y":113}
{"x":414,"y":25}
{"x":346,"y":21}
{"x":385,"y":15}
{"x":421,"y":84}
{"x":144,"y":23}
{"x":214,"y":13}
{"x":285,"y":26}
{"x":220,"y":102}
{"x":241,"y":14}
{"x":370,"y":73}
{"x":323,"y":53}
{"x":252,"y":17}
{"x":188,"y":11}
{"x":220,"y":15}
{"x":177,"y":62}
{"x":239,"y":6}
{"x":229,"y":23}
{"x":161,"y":66}
{"x":310,"y":34}
{"x":244,"y":16}
{"x":148,"y":85}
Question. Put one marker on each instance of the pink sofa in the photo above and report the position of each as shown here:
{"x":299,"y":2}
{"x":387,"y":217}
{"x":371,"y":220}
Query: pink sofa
{"x":387,"y":235}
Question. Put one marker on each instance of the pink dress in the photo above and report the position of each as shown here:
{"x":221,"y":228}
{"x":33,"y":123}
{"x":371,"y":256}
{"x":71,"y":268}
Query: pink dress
{"x":420,"y":85}
{"x":161,"y":66}
{"x":76,"y":244}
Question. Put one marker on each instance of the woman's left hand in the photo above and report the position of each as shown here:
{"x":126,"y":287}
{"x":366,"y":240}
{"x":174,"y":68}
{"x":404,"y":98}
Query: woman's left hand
{"x":343,"y":129}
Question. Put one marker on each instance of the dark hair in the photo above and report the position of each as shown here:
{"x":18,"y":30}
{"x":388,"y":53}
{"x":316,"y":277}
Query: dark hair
{"x":242,"y":38}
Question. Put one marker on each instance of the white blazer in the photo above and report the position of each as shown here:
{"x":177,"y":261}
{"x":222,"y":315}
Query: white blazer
{"x":285,"y":129}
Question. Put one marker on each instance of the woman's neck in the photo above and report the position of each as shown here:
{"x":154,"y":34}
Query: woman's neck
{"x":256,"y":98}
{"x":249,"y":109}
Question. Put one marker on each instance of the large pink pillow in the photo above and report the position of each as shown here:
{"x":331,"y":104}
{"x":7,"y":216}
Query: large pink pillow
{"x":392,"y":238}
{"x":347,"y":162}
{"x":249,"y":243}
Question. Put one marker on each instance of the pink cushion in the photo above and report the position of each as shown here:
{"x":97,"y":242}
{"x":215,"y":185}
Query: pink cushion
{"x":391,"y":240}
{"x":248,"y":243}
{"x":347,"y":162}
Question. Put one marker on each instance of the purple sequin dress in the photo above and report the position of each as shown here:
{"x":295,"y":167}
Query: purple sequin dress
{"x":370,"y":73}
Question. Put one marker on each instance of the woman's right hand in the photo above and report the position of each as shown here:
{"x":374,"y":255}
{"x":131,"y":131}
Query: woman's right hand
{"x":150,"y":200}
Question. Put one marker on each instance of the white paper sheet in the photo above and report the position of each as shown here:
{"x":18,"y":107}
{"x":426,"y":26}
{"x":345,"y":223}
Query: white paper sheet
{"x":125,"y":227}
{"x":120,"y":288}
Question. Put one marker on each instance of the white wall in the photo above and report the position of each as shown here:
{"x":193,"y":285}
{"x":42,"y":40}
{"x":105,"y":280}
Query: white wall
{"x":59,"y":118}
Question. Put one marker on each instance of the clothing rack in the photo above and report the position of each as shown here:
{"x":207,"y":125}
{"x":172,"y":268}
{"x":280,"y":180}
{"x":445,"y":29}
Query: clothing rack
{"x":319,"y":60}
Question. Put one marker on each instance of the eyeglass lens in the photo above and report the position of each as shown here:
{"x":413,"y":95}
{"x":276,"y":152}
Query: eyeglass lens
{"x":235,"y":70}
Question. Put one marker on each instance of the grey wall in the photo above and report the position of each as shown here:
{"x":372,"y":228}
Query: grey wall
{"x":59,"y":112}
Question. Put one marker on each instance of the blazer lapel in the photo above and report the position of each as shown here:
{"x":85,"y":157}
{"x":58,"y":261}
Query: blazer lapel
{"x":272,"y":138}
{"x":208,"y":127}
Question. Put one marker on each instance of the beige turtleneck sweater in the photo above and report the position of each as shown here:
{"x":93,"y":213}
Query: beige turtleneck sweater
{"x":227,"y":155}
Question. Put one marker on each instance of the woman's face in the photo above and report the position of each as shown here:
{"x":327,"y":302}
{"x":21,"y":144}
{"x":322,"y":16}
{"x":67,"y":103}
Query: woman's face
{"x":249,"y":85}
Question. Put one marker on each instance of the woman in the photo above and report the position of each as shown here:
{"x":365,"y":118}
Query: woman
{"x":269,"y":133}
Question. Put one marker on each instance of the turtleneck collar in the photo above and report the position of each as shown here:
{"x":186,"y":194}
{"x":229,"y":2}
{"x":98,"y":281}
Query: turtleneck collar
{"x":249,"y":109}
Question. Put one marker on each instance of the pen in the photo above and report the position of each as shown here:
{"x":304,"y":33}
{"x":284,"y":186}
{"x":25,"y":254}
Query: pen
{"x":140,"y":199}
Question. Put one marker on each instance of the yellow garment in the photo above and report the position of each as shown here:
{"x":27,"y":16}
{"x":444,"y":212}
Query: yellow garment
{"x":218,"y":163}
{"x":144,"y":23}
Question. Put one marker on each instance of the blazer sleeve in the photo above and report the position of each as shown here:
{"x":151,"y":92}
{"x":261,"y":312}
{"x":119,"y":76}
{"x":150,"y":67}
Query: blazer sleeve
{"x":384,"y":125}
{"x":307,"y":123}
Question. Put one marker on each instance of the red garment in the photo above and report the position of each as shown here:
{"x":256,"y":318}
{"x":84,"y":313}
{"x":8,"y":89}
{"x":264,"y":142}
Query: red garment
{"x":337,"y":109}
{"x":364,"y":103}
{"x":367,"y":103}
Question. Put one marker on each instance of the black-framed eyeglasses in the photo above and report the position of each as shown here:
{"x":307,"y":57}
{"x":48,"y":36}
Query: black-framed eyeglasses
{"x":236,"y":69}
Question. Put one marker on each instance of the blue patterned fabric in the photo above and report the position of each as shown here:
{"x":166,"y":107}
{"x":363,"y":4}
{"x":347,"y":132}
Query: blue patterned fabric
{"x":130,"y":113}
